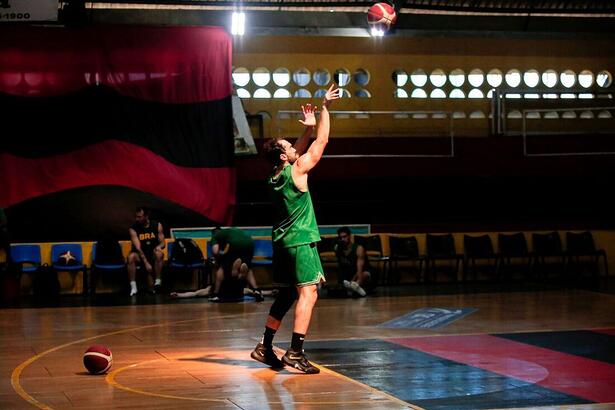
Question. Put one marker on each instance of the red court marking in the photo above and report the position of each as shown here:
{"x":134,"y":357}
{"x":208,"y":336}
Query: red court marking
{"x":566,"y":373}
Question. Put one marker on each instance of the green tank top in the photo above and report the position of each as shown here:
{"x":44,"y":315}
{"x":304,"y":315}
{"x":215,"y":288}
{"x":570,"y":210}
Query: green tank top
{"x":235,"y":238}
{"x":295,"y":221}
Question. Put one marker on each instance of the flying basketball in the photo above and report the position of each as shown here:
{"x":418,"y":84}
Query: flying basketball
{"x":97,"y":359}
{"x":381,"y":16}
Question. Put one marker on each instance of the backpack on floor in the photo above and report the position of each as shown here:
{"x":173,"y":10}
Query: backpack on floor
{"x":45,"y":281}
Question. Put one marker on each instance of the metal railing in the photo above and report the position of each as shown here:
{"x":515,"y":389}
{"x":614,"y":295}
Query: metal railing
{"x":500,"y":103}
{"x":448,"y":116}
{"x":525,"y":134}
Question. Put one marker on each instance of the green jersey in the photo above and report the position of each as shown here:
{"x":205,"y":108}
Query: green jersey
{"x":295,"y":221}
{"x":235,"y":238}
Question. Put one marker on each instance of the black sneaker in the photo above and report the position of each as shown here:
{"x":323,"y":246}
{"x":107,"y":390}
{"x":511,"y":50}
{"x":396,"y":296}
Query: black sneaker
{"x":267,"y":356}
{"x":157,"y":289}
{"x":298,"y":361}
{"x":258,"y":296}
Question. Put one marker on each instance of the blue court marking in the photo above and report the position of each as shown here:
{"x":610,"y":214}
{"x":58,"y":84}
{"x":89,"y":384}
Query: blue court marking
{"x":428,"y":318}
{"x":429,"y":381}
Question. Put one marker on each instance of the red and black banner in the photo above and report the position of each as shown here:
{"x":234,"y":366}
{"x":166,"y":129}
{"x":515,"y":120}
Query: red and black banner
{"x":145,"y":112}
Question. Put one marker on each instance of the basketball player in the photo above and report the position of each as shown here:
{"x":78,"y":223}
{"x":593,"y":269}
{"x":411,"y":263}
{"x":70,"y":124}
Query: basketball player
{"x":296,"y":263}
{"x":233,"y":250}
{"x":147,"y":239}
{"x":353,"y":262}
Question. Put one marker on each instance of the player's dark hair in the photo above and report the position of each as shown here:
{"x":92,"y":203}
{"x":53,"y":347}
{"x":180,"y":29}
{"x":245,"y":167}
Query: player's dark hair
{"x":145,"y":210}
{"x":344,"y":229}
{"x":273,"y":150}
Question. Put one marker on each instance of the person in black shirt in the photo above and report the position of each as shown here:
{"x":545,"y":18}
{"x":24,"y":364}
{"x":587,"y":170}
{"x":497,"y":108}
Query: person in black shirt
{"x":353,"y":262}
{"x":147,"y":239}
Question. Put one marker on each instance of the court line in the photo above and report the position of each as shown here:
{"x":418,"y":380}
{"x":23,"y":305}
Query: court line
{"x":111,"y":380}
{"x":16,"y":374}
{"x":370,"y":388}
{"x":427,"y":334}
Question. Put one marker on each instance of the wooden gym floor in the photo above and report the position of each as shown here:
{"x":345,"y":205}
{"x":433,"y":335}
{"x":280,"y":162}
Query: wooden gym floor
{"x":543,"y":348}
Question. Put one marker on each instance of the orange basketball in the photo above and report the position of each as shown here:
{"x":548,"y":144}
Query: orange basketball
{"x":381,"y":16}
{"x":97,"y":359}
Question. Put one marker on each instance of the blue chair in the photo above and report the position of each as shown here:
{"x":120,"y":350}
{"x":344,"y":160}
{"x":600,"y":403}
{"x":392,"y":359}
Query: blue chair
{"x":98,"y":267}
{"x":210,"y":252}
{"x":106,"y":266}
{"x":198,"y":265}
{"x":27,"y":255}
{"x":75,"y":250}
{"x":263,"y":252}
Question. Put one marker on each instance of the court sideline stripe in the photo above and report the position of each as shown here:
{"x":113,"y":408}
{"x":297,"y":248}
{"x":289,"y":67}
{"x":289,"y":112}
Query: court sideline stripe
{"x":367,"y":387}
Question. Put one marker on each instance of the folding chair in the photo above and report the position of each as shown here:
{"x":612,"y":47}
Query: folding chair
{"x":28,"y":256}
{"x":441,"y":248}
{"x":76,"y":251}
{"x":582,"y":245}
{"x":373,"y":250}
{"x":405,"y":248}
{"x":100,"y":266}
{"x":512,"y":247}
{"x":478,"y":248}
{"x":197,"y":266}
{"x":548,"y":246}
{"x":263,"y":252}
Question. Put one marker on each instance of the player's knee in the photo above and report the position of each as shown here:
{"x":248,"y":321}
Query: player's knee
{"x":309,"y":293}
{"x":133,"y":258}
{"x":159,"y":255}
{"x":283,"y":303}
{"x":244,"y":271}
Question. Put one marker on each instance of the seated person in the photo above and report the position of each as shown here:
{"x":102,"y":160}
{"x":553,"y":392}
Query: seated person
{"x":233,"y":250}
{"x":353,"y":263}
{"x":147,"y":239}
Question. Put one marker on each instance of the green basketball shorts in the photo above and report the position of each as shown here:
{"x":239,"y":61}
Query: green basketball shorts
{"x":297,"y":265}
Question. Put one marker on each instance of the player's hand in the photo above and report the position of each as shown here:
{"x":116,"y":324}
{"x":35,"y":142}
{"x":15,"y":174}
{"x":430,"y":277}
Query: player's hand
{"x":309,"y":119}
{"x":332,"y":94}
{"x":148,"y":267}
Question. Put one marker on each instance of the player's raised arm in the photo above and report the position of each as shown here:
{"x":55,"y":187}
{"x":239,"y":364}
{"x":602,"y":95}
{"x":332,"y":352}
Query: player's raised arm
{"x":308,"y":160}
{"x":309,"y":120}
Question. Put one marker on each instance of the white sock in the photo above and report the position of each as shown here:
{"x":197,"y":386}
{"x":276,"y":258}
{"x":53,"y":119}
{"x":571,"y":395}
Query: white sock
{"x":157,"y":282}
{"x":133,"y":284}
